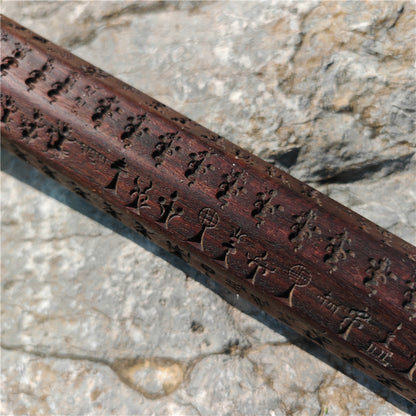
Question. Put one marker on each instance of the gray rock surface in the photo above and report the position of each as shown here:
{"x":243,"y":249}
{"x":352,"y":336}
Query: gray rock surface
{"x":98,"y":321}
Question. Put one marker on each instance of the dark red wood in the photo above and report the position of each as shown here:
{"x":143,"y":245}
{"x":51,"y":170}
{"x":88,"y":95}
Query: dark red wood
{"x":329,"y":273}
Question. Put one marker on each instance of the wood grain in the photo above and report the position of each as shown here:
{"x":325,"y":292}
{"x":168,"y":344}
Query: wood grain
{"x":330,"y":274}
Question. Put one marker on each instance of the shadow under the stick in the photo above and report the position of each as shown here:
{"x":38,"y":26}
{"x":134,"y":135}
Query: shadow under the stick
{"x":23,"y":172}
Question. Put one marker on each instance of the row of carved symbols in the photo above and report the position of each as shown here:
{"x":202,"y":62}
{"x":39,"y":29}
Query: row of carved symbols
{"x":13,"y":59}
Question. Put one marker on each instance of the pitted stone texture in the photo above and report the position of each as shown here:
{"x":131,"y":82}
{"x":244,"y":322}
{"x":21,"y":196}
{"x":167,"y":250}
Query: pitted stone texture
{"x":97,"y":320}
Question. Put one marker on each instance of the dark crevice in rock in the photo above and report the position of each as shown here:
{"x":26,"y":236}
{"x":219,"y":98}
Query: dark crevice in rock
{"x":361,"y":171}
{"x":288,"y":158}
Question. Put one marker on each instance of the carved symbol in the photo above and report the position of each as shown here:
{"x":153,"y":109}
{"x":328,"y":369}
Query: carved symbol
{"x":106,"y":107}
{"x":303,"y":228}
{"x":168,"y":209}
{"x":110,"y":210}
{"x":208,"y":270}
{"x":8,"y":106}
{"x":140,"y":195}
{"x":120,"y":166}
{"x":355,"y":318}
{"x":409,"y":303}
{"x":60,"y":87}
{"x":92,"y":70}
{"x":88,"y":91}
{"x":165,"y":147}
{"x":177,"y":251}
{"x":81,"y":193}
{"x":301,"y":277}
{"x":263,"y":206}
{"x":12,"y":61}
{"x":29,"y":128}
{"x":195,"y":166}
{"x":143,"y":231}
{"x":337,"y":250}
{"x":412,"y":372}
{"x":133,"y":124}
{"x":259,"y":265}
{"x":208,"y":218}
{"x":157,"y":105}
{"x":229,"y":187}
{"x":237,"y":287}
{"x":57,"y":135}
{"x":38,"y":74}
{"x":328,"y":303}
{"x":231,"y":245}
{"x":379,"y":271}
{"x":380,"y":350}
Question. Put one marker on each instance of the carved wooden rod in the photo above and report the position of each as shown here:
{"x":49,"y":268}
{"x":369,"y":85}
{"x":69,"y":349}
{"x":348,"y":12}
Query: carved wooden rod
{"x":329,"y":273}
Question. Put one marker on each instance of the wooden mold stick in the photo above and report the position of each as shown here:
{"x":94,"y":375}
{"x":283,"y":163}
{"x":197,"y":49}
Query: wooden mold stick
{"x":312,"y":263}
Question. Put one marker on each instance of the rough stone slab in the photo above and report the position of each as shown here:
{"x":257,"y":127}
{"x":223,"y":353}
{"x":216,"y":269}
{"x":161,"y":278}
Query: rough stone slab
{"x":98,"y":321}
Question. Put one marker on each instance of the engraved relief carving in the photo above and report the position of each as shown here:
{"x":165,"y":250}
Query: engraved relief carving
{"x":59,"y":87}
{"x":88,"y":91}
{"x":380,"y":350}
{"x":143,"y":230}
{"x":157,"y":105}
{"x":8,"y":106}
{"x":231,"y":245}
{"x":263,"y":206}
{"x":356,"y":319}
{"x":409,"y":303}
{"x":379,"y":271}
{"x":209,"y":219}
{"x":328,"y":303}
{"x":177,"y":251}
{"x":301,"y":277}
{"x":29,"y":127}
{"x":92,"y":155}
{"x":303,"y":228}
{"x":237,"y":287}
{"x":13,"y":60}
{"x":105,"y":108}
{"x":165,"y":147}
{"x":110,"y":210}
{"x":140,"y":193}
{"x":132,"y":128}
{"x":259,"y":266}
{"x":208,"y":270}
{"x":232,"y":185}
{"x":168,"y":209}
{"x":92,"y":70}
{"x":121,"y":167}
{"x":338,"y":250}
{"x":57,"y":135}
{"x":197,"y":166}
{"x":38,"y":74}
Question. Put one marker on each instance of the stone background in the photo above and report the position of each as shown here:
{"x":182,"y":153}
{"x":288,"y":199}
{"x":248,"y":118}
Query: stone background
{"x":98,"y":321}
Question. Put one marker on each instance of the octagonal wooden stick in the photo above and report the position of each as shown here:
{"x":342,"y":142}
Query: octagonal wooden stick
{"x":329,"y":273}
